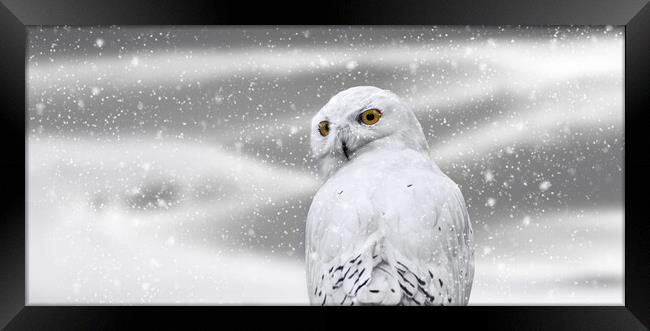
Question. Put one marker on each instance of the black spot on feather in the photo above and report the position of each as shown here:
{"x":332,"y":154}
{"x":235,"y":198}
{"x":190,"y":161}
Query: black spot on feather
{"x":402,"y":264}
{"x":405,"y":290}
{"x":346,"y":273}
{"x":430,"y":297}
{"x":407,"y":280}
{"x":360,"y":286}
{"x":356,"y":281}
{"x":409,"y":185}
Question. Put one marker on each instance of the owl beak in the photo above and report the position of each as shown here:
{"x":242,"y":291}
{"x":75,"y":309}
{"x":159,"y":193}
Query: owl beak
{"x":342,"y":135}
{"x":345,"y":150}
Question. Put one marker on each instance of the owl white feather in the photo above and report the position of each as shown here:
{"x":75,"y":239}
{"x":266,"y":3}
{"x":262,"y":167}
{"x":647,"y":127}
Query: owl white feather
{"x":387,"y":226}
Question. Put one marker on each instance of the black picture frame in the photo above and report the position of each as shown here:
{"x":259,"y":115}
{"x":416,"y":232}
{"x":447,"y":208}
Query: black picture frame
{"x":16,"y":15}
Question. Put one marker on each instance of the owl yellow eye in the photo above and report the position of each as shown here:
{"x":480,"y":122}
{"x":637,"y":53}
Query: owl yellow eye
{"x":370,"y":116}
{"x":324,"y":128}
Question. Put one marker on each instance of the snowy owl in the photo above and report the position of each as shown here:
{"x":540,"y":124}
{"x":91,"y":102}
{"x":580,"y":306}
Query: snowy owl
{"x":387,"y":226}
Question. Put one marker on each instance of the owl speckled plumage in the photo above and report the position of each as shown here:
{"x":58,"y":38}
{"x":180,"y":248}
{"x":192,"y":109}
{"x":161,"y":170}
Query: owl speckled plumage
{"x":387,"y":226}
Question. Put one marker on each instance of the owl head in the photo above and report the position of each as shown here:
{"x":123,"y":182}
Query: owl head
{"x":361,"y":120}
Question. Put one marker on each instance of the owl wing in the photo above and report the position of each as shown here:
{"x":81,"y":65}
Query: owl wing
{"x":340,"y":254}
{"x":441,"y":270}
{"x":342,"y":280}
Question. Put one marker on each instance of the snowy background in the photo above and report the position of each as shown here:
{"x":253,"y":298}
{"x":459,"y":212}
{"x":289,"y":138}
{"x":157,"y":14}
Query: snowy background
{"x":171,"y":165}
